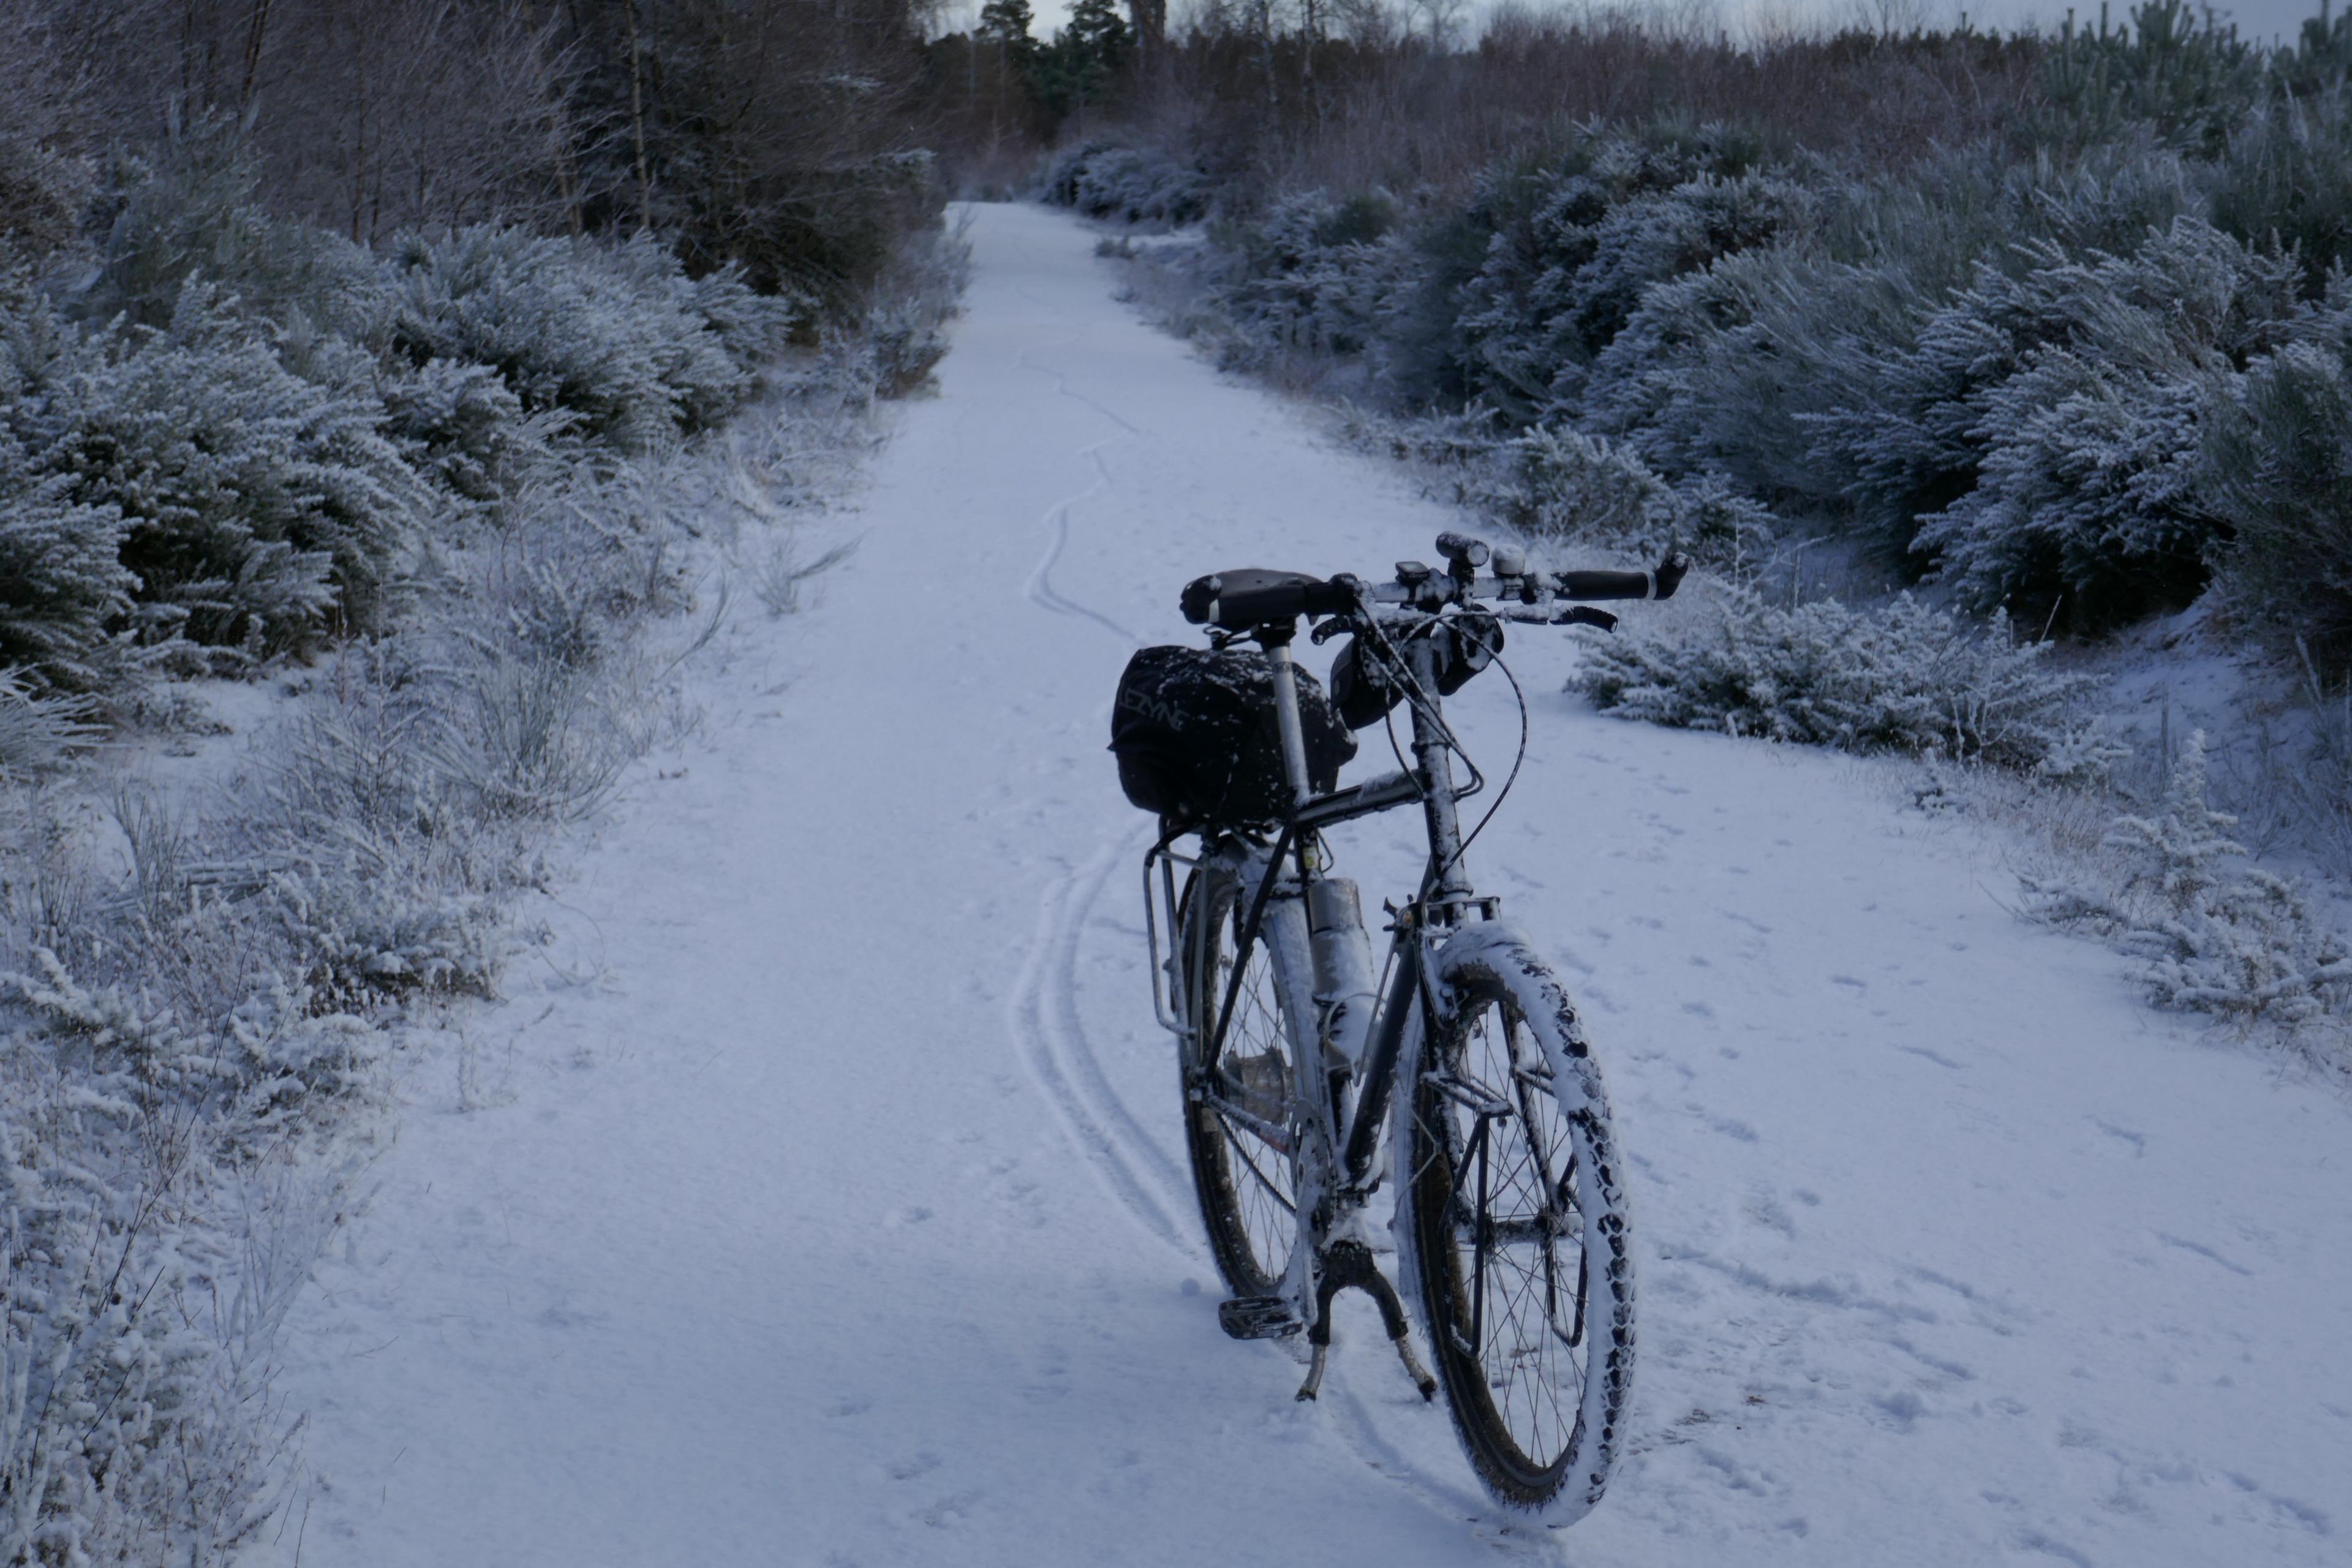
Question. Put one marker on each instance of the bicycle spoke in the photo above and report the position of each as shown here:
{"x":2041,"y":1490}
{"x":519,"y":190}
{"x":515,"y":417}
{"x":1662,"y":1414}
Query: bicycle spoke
{"x":1512,"y":1213}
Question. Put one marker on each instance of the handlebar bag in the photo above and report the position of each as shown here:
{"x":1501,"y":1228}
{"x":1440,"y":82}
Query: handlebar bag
{"x":1196,"y":737}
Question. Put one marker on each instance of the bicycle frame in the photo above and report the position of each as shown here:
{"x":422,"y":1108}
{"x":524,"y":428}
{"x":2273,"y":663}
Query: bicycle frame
{"x":1353,"y":1053}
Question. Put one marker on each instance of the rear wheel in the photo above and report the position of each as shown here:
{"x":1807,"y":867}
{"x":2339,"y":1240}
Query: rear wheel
{"x":1518,"y":1230}
{"x":1240,"y":1121}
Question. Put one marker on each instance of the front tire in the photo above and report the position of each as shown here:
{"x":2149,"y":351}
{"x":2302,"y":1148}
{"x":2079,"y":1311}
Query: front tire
{"x":1517,"y":1228}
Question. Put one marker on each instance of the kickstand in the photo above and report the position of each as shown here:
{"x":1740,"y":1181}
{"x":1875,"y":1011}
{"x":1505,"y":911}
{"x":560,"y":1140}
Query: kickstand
{"x":1413,"y":1367}
{"x":1349,"y":1265}
{"x":1314,"y":1384}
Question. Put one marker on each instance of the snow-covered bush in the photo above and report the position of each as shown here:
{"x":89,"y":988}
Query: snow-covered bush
{"x":36,"y":729}
{"x":257,"y":508}
{"x":134,"y":1345}
{"x":616,"y":336}
{"x":1557,"y":482}
{"x":1316,"y":275}
{"x":465,"y":428}
{"x":2079,"y":388}
{"x":2277,"y":466}
{"x":451,"y":484}
{"x":900,"y":335}
{"x":2218,"y":936}
{"x":1694,"y":380}
{"x":1576,"y":243}
{"x":1909,"y":678}
{"x":62,"y":581}
{"x":1106,"y":180}
{"x":194,"y":995}
{"x":2287,"y":179}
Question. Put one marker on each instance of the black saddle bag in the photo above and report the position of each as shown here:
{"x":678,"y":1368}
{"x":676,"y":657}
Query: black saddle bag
{"x":1197,"y":740}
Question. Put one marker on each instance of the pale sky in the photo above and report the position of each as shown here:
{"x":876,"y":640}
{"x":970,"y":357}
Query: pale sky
{"x":2260,"y":19}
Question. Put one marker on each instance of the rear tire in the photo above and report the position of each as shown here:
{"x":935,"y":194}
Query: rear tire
{"x":1517,"y":1230}
{"x":1240,"y":1114}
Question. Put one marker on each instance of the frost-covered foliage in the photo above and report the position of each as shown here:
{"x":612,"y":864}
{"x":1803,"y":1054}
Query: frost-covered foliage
{"x":1314,"y":275}
{"x":2287,"y":176}
{"x":1909,"y":678}
{"x":236,"y":433}
{"x":134,"y":1414}
{"x":2052,"y":371}
{"x":256,"y":509}
{"x":1560,"y":483}
{"x":1573,"y":246}
{"x":618,"y":337}
{"x":2217,"y":936}
{"x":36,"y":729}
{"x":1557,"y":483}
{"x":903,"y":335}
{"x":197,"y":994}
{"x":447,"y":497}
{"x":2277,"y":463}
{"x":1107,"y":180}
{"x":2072,"y":390}
{"x":192,"y":208}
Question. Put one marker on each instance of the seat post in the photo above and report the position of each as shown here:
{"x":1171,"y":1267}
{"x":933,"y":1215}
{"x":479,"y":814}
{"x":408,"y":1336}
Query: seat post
{"x":1275,"y":637}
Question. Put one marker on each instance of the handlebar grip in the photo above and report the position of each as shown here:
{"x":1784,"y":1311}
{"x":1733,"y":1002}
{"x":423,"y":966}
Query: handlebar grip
{"x":1605,"y":586}
{"x":1659,"y":582}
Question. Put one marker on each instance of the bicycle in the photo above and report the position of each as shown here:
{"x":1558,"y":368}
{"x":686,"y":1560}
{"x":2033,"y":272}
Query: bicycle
{"x":1510,"y":1220}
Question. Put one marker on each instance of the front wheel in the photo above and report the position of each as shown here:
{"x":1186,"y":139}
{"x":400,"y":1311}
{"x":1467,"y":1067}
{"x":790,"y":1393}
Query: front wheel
{"x":1516,"y":1227}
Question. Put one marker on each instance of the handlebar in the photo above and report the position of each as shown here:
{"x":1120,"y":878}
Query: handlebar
{"x":1253,"y":596}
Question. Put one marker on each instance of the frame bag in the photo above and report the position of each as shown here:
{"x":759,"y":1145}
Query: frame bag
{"x":1197,"y":740}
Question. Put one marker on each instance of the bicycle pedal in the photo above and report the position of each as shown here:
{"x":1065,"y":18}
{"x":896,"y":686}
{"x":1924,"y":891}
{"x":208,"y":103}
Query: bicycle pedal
{"x":1258,"y":1318}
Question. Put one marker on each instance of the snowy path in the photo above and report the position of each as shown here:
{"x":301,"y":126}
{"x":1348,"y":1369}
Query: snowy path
{"x":836,"y":1215}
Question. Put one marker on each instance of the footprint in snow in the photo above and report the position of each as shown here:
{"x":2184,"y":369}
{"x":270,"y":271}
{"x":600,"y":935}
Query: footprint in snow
{"x":2138,"y":1141}
{"x":1731,"y":1127}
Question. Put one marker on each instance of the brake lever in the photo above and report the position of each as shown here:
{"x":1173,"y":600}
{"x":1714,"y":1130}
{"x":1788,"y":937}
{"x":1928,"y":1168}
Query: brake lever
{"x":1348,"y":622}
{"x":1560,"y":614}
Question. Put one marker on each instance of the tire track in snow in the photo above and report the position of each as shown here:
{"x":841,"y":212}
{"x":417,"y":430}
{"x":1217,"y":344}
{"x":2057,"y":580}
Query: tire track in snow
{"x":1063,"y":388}
{"x":1086,"y":1065}
{"x":1043,"y":1020}
{"x":1040,"y":587}
{"x":1360,"y":1428}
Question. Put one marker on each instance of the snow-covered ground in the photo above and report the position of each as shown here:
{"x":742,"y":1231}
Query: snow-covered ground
{"x":822,"y":1202}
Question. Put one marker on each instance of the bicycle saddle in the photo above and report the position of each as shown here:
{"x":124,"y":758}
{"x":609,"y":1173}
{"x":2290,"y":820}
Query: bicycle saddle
{"x":1205,"y":600}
